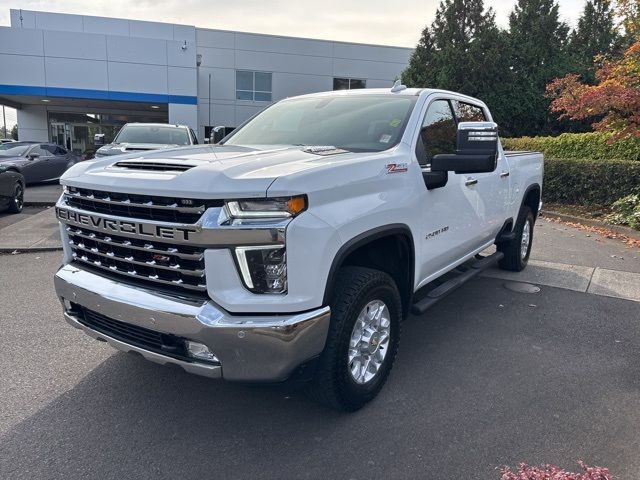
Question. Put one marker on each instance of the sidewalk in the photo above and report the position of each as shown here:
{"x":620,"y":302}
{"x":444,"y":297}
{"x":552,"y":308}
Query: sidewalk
{"x":39,"y":232}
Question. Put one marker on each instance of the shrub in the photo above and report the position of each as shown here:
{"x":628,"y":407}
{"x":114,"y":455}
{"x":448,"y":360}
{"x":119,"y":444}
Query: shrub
{"x":583,"y":182}
{"x":626,"y":211}
{"x":594,"y":145}
{"x":549,"y":472}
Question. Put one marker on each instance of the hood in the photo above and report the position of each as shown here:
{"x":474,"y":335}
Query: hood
{"x":17,"y":161}
{"x":207,"y":171}
{"x":121,"y":148}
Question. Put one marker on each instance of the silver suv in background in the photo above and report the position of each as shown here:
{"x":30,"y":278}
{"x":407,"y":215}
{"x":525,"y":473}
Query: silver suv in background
{"x":136,"y":137}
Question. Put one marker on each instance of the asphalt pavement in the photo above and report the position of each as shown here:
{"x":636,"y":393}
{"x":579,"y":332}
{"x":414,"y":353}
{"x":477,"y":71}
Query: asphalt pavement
{"x":42,"y":193}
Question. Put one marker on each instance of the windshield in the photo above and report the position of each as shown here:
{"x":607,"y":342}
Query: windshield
{"x":153,"y":134}
{"x":367,"y":123}
{"x":10,"y":150}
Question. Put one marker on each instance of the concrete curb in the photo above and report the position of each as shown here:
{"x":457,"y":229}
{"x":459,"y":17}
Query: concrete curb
{"x":39,"y":204}
{"x":5,"y":250}
{"x":628,"y":232}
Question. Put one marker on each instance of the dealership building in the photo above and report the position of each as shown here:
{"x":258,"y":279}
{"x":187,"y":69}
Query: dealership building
{"x":72,"y":76}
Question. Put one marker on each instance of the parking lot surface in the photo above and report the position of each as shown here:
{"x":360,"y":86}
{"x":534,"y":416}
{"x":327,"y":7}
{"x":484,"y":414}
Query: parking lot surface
{"x":487,"y":377}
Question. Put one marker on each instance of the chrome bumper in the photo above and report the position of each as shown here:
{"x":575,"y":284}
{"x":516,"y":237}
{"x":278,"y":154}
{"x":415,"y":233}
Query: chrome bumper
{"x":250,"y":348}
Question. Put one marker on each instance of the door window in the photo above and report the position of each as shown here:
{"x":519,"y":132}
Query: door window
{"x":438,"y":132}
{"x":465,"y":112}
{"x":40,"y":151}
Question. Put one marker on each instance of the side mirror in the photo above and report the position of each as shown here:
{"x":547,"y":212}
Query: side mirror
{"x":476,"y":150}
{"x":33,"y":156}
{"x":98,"y":139}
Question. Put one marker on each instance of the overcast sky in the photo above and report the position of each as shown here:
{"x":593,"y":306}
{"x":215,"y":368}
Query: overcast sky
{"x":388,"y":22}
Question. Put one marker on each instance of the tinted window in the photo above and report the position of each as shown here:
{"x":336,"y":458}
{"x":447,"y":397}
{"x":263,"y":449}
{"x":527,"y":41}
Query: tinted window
{"x":156,"y":134}
{"x":50,"y":149}
{"x":465,"y":112}
{"x":40,"y":151}
{"x":438,"y":132}
{"x":359,"y":123}
{"x":193,"y":137}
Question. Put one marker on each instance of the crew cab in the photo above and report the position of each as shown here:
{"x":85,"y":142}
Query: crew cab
{"x":295,"y":248}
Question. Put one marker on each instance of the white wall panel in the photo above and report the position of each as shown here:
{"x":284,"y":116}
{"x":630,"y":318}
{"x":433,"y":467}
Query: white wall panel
{"x":366,"y":69}
{"x":106,"y":26}
{"x":182,"y":81}
{"x":131,"y":77}
{"x":280,"y":62}
{"x":28,"y":19}
{"x":223,"y":83}
{"x":32,"y":123}
{"x":217,"y":57}
{"x":291,"y":84}
{"x":371,"y":52}
{"x":22,"y":70}
{"x":137,"y":50}
{"x":139,"y":28}
{"x":74,"y":73}
{"x":184,"y":32}
{"x":221,"y":114}
{"x":269,"y":43}
{"x":184,"y":115}
{"x":20,"y":41}
{"x":215,"y":38}
{"x":58,"y":21}
{"x":75,"y":45}
{"x":179,"y":57}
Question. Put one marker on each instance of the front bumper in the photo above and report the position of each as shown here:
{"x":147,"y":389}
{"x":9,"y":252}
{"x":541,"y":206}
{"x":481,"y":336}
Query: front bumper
{"x":253,"y":348}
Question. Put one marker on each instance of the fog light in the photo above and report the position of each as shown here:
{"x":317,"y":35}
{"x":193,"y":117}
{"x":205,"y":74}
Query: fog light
{"x":200,"y":351}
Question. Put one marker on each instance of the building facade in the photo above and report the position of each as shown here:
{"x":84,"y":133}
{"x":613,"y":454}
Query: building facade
{"x":71,"y":76}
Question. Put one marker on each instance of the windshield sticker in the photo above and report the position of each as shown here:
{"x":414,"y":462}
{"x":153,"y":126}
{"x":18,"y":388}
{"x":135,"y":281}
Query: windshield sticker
{"x":385,"y":137}
{"x":397,"y":167}
{"x":395,"y":122}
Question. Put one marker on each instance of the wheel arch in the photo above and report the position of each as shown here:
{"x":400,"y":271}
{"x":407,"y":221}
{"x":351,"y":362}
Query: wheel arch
{"x":531,"y":198}
{"x":397,"y":242}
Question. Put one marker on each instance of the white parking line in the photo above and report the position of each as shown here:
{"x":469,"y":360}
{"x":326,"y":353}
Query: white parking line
{"x":599,"y":281}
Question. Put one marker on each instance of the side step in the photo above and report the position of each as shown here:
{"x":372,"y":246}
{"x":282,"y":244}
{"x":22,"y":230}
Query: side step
{"x":439,"y":292}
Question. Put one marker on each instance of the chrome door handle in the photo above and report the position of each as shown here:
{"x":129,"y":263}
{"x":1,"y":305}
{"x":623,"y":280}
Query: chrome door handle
{"x":470,"y":181}
{"x":504,"y":174}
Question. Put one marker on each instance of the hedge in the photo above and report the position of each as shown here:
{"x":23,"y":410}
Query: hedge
{"x":592,"y":145}
{"x":581,"y":181}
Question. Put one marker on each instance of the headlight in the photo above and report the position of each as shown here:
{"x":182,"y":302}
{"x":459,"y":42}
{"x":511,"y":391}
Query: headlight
{"x":263,"y":269}
{"x":267,"y":207}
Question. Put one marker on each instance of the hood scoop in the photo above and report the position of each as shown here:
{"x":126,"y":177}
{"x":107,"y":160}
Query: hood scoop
{"x":153,"y":166}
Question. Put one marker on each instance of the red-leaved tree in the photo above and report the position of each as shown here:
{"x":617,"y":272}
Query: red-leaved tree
{"x":549,"y":472}
{"x":614,"y":101}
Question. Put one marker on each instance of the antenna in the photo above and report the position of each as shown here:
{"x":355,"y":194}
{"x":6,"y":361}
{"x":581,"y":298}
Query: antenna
{"x":398,"y":87}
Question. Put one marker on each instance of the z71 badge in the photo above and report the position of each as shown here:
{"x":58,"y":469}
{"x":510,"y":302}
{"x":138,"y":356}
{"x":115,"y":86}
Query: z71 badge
{"x":397,"y":167}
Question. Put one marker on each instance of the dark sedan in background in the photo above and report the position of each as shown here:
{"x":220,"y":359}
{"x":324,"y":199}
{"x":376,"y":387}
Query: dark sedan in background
{"x":11,"y":190}
{"x":37,"y":162}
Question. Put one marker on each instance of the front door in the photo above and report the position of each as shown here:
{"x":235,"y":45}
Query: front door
{"x":451,"y":226}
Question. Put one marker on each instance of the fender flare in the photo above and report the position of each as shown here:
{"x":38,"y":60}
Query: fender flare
{"x":363,"y":239}
{"x":530,"y":188}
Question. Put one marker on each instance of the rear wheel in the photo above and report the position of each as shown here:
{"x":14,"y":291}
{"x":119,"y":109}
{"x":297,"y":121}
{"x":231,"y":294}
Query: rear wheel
{"x":17,"y":200}
{"x":517,"y":251}
{"x":362,"y":341}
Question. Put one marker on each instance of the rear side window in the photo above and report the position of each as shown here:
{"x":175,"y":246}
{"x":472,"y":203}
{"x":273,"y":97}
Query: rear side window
{"x":465,"y":112}
{"x":438,"y":131}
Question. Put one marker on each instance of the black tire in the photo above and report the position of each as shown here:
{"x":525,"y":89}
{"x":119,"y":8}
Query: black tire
{"x":333,"y":384}
{"x":513,"y":259}
{"x":17,"y":200}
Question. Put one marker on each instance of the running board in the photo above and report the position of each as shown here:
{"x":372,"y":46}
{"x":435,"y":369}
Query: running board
{"x":439,"y":292}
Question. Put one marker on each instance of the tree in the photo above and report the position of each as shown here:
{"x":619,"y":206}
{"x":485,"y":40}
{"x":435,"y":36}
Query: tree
{"x":597,"y":34}
{"x":14,"y":132}
{"x":538,"y":54}
{"x":461,"y":51}
{"x":614,"y":102}
{"x":629,"y":12}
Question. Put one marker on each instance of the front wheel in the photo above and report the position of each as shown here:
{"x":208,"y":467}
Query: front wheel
{"x":362,"y":341}
{"x":517,"y":251}
{"x":17,"y":200}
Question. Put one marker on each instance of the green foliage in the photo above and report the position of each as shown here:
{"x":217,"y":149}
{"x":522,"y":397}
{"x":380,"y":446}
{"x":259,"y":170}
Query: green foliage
{"x":583,"y":182}
{"x":626,"y":211}
{"x":14,"y":132}
{"x":588,"y":146}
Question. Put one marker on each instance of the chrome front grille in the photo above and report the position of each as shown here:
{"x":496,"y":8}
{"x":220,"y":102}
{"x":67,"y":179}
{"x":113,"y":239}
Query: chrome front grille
{"x":139,"y":207}
{"x":174,"y":266}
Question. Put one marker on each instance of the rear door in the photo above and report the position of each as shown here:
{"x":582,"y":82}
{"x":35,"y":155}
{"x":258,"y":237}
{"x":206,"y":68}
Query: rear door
{"x":492,"y":188}
{"x":451,"y":228}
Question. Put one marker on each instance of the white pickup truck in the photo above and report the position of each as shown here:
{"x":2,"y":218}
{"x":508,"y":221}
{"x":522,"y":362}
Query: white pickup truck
{"x":294,"y":248}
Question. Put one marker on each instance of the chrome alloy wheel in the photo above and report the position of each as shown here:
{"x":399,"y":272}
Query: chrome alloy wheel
{"x":369,"y":341}
{"x":526,"y":239}
{"x":18,"y":198}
